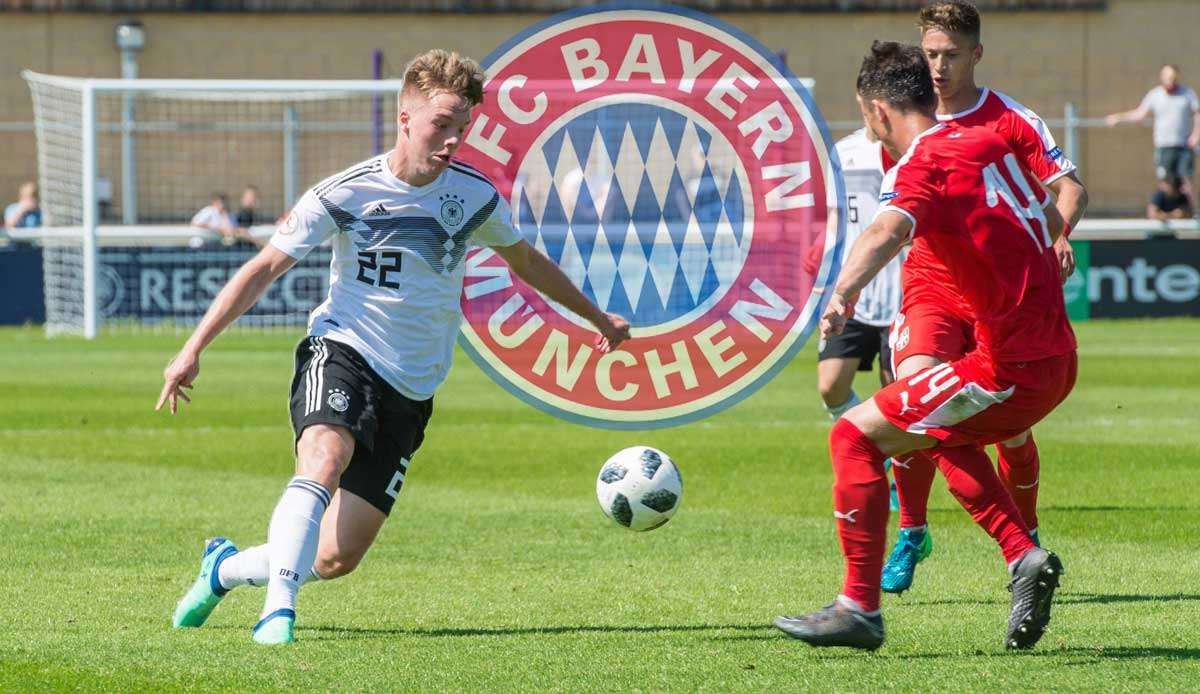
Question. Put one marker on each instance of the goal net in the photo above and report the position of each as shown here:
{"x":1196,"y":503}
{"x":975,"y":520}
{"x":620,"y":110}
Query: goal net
{"x":125,"y":166}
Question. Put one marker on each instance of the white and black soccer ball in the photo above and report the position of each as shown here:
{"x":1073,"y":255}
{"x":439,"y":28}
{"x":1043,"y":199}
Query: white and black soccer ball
{"x":639,"y":488}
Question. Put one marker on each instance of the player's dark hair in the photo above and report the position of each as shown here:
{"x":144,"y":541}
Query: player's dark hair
{"x":951,"y":16}
{"x":898,"y":74}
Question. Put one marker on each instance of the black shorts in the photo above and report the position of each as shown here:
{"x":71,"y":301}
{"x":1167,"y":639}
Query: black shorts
{"x":858,"y":340}
{"x":1174,"y":161}
{"x":334,"y":385}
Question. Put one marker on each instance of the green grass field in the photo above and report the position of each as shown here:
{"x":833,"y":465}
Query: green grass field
{"x":498,"y":572}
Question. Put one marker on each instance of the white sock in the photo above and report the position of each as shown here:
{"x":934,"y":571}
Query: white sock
{"x":250,"y":567}
{"x":292,"y":541}
{"x":855,"y":606}
{"x":837,"y":411}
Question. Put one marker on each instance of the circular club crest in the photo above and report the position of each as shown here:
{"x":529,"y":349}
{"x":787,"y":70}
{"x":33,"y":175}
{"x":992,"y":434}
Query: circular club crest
{"x":338,"y":400}
{"x":680,"y":178}
{"x":452,"y":210}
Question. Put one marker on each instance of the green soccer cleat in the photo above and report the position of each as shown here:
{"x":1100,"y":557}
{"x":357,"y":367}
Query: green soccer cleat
{"x":206,"y":592}
{"x":276,"y":628}
{"x":912,"y":547}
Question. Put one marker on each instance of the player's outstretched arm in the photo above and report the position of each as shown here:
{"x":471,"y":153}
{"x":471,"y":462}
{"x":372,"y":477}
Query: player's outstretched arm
{"x":241,"y":292}
{"x":542,"y":274}
{"x":871,"y":252}
{"x":1138,"y":114}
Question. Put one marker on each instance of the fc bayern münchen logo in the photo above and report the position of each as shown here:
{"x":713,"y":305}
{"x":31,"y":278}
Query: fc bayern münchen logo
{"x":679,"y":176}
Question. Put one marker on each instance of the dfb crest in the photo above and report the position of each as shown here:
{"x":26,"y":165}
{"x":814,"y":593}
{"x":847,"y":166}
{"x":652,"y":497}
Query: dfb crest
{"x":680,"y":177}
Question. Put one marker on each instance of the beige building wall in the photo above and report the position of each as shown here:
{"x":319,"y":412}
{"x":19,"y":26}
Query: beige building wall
{"x":1101,"y":61}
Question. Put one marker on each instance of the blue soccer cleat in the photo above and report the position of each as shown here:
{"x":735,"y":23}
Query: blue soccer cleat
{"x":911,"y":548}
{"x":276,"y":628}
{"x":202,"y":598}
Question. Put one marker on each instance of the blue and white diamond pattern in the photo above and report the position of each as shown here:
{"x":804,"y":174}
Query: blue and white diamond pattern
{"x":642,"y":207}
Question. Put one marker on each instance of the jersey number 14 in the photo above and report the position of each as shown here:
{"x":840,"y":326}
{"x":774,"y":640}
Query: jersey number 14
{"x":1031,"y":211}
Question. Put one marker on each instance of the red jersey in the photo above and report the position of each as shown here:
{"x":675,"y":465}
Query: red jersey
{"x":1029,"y":138}
{"x":980,"y":214}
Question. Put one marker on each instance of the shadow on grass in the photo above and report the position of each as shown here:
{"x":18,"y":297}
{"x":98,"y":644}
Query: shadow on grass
{"x":1063,"y":598}
{"x":1078,"y":655}
{"x":1124,"y":653}
{"x":1112,"y":598}
{"x":956,"y":511}
{"x":359,"y":632}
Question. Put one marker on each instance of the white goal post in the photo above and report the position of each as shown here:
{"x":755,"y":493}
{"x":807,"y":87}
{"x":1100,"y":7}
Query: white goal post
{"x":138,"y":158}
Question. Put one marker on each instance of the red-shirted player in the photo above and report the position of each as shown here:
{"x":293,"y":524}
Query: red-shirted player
{"x":963,"y":192}
{"x":935,"y":326}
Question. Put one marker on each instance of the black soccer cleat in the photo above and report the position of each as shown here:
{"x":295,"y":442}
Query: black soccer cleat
{"x":835,"y":625}
{"x":1034,"y":579}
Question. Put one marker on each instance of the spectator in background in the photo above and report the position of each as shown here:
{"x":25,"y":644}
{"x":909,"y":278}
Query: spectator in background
{"x":1169,"y":201}
{"x":248,"y":215}
{"x":1176,"y":126}
{"x":24,"y":213}
{"x":216,"y":217}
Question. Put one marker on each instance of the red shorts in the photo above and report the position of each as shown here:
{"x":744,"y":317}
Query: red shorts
{"x":930,"y":329}
{"x":975,"y":401}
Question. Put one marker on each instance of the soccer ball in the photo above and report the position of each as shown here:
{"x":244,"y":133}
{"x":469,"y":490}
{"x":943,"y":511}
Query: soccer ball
{"x":640,"y":488}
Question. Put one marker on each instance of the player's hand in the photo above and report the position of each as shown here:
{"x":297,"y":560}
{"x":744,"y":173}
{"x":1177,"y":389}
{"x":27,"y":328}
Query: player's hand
{"x":1194,"y":139}
{"x":613,"y":331}
{"x":837,"y":312}
{"x":179,"y":374}
{"x":1112,"y":120}
{"x":1066,"y":258}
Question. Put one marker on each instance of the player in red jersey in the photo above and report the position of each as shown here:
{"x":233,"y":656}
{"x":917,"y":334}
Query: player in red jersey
{"x":936,"y":326}
{"x":963,"y":192}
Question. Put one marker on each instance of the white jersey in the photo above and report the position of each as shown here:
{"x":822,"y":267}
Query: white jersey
{"x":862,"y":170}
{"x":397,"y":269}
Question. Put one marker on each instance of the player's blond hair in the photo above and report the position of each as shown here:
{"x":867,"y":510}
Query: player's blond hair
{"x":951,"y":16}
{"x":443,"y":72}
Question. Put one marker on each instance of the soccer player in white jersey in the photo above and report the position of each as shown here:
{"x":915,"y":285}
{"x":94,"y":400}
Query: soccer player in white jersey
{"x":865,"y":337}
{"x":936,"y":327}
{"x":377,"y":348}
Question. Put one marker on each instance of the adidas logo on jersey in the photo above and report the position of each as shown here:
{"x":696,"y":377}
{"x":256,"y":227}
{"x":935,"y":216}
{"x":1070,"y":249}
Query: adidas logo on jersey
{"x":379,"y":211}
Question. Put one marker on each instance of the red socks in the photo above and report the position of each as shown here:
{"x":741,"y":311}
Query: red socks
{"x":860,"y":504}
{"x":913,"y":472}
{"x":973,"y":481}
{"x":1019,"y":470}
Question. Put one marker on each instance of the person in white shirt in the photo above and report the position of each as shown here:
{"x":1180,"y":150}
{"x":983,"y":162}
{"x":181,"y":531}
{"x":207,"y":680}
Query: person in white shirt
{"x":215,"y":216}
{"x":866,"y":335}
{"x":1176,"y":112}
{"x":378,"y":347}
